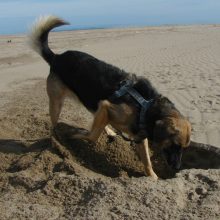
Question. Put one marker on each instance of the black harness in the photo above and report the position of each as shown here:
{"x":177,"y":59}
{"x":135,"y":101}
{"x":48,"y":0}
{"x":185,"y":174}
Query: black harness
{"x":127,"y":87}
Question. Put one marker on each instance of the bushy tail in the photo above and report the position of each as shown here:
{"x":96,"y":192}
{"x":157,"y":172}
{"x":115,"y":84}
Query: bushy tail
{"x":38,"y":37}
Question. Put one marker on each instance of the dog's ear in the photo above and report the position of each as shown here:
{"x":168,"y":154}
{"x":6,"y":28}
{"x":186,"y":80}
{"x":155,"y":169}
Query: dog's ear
{"x":182,"y":129}
{"x":168,"y":126}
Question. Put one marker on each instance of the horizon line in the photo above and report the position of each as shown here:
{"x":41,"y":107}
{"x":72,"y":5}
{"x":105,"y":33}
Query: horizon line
{"x":105,"y":27}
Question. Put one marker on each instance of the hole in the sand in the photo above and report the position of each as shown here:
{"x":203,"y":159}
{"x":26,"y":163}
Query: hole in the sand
{"x":119,"y":158}
{"x":201,"y":156}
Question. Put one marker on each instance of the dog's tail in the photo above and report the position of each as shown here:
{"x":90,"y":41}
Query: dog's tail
{"x":38,"y":37}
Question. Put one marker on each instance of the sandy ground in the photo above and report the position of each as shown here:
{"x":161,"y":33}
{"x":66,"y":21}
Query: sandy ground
{"x":105,"y":181}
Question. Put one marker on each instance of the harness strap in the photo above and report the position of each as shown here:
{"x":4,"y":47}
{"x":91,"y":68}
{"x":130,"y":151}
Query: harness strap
{"x":144,"y":105}
{"x":127,"y":88}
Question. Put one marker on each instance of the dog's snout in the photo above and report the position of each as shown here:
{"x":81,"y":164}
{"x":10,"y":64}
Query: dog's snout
{"x":173,"y":158}
{"x":176,"y":164}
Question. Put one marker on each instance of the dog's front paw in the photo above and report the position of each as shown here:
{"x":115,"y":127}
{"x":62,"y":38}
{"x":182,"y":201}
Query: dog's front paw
{"x":154,"y":176}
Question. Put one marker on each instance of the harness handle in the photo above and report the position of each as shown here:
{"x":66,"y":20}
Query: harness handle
{"x":124,"y":87}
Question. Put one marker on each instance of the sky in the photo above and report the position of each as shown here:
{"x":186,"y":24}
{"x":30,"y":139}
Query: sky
{"x":16,"y":16}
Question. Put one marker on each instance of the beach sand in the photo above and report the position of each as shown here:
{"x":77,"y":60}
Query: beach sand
{"x":38,"y":181}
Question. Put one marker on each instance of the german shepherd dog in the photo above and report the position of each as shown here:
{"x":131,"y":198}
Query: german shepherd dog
{"x":94,"y":83}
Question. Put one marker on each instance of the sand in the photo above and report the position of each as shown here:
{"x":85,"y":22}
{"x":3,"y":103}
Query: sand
{"x":106,"y":181}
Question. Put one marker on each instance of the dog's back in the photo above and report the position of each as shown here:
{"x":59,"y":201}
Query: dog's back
{"x":91,"y":80}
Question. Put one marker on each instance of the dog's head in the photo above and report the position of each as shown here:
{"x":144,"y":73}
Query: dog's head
{"x":172,"y":135}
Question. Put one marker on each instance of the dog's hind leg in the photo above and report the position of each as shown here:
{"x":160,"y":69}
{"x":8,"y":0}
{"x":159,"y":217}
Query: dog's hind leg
{"x":55,"y":106}
{"x":56,"y":92}
{"x":143,"y":151}
{"x":100,"y":121}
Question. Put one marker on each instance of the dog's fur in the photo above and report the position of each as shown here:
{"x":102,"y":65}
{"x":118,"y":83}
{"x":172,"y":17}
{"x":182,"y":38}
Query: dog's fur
{"x":94,"y":82}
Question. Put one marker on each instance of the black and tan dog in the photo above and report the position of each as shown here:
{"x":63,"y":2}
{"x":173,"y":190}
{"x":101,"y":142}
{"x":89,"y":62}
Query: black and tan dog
{"x":94,"y":83}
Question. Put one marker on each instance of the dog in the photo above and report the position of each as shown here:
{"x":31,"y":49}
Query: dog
{"x":115,"y":98}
